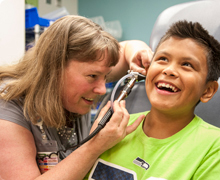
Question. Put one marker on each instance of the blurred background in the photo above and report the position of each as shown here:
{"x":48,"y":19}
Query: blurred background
{"x":21,"y":24}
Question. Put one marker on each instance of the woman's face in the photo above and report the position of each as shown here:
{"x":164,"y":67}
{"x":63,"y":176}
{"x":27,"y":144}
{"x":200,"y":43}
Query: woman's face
{"x":83,"y":82}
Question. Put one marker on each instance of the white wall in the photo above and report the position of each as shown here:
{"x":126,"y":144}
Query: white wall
{"x":70,"y":5}
{"x":12,"y":31}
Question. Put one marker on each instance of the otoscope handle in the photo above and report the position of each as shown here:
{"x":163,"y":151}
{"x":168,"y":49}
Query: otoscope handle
{"x":106,"y":117}
{"x":124,"y":93}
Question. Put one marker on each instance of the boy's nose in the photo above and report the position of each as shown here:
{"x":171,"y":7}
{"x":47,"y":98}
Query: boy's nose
{"x":170,"y":71}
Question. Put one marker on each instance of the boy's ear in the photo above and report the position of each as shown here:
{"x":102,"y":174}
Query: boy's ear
{"x":211,"y":88}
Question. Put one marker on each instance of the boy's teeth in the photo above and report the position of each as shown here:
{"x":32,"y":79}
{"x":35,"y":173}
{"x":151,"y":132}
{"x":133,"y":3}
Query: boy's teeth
{"x":159,"y":85}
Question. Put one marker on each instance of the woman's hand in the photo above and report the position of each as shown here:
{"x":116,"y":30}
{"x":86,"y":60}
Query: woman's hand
{"x":140,"y":61}
{"x":134,"y":55}
{"x":116,"y":129}
{"x":137,"y":54}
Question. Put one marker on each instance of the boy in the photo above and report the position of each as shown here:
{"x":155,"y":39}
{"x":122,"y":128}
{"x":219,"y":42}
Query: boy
{"x":172,"y":143}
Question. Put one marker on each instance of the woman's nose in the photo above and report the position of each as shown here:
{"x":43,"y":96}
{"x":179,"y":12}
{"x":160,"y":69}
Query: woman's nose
{"x":100,"y":88}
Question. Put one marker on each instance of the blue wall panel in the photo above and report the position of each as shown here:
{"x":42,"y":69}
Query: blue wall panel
{"x":137,"y":17}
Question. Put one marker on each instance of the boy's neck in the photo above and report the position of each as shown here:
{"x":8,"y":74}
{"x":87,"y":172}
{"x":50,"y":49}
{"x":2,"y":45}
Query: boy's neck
{"x":163,"y":125}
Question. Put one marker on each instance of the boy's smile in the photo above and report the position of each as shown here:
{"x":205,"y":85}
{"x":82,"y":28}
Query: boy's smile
{"x":166,"y":87}
{"x":176,"y":78}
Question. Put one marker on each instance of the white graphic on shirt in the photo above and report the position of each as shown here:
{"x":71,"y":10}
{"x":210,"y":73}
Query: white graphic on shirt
{"x":142,"y":163}
{"x":154,"y":178}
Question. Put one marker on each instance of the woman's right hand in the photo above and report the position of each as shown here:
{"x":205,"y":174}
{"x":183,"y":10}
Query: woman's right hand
{"x":116,"y":129}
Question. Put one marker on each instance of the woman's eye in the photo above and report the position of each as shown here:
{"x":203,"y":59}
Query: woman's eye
{"x":92,"y":76}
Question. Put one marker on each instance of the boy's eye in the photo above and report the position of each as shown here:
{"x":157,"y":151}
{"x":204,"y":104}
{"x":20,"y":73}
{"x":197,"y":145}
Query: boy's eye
{"x":163,"y":59}
{"x":187,"y":64}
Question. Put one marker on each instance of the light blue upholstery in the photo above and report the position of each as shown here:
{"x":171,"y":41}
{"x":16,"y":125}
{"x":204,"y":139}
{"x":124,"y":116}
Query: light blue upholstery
{"x":205,"y":12}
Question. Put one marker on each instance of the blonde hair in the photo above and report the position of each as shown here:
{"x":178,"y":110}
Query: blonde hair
{"x":38,"y":77}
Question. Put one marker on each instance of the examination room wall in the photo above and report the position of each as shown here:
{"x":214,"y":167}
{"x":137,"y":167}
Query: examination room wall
{"x":137,"y":17}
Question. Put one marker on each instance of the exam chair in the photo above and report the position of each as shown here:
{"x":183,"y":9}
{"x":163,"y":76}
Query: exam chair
{"x":203,"y":11}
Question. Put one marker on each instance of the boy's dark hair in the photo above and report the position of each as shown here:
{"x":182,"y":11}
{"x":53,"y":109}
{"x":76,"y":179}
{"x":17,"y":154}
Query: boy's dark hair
{"x":195,"y":31}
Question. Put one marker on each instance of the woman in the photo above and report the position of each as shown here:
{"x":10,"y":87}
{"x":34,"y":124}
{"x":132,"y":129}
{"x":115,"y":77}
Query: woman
{"x":46,"y":98}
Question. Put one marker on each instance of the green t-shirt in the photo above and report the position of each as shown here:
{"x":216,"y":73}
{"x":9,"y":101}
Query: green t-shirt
{"x":191,"y":154}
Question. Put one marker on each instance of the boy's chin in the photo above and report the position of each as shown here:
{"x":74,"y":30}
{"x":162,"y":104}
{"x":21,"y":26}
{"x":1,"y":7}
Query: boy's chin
{"x":164,"y":106}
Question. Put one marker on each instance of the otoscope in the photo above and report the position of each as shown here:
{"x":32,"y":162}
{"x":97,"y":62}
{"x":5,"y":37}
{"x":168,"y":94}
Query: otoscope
{"x":134,"y":77}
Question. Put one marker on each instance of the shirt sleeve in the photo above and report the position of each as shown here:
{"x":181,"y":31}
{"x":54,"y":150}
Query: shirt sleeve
{"x":210,"y":166}
{"x":13,"y":111}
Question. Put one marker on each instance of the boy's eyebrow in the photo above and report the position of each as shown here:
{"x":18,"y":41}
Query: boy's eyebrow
{"x":161,"y":53}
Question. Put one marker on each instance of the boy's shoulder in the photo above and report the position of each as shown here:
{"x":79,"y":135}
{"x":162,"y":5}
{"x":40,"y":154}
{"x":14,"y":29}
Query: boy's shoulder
{"x":207,"y":131}
{"x":206,"y":125}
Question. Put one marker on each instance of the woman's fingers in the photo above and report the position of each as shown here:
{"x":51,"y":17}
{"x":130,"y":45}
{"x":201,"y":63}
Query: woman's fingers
{"x":117,"y":128}
{"x":101,"y":114}
{"x":119,"y":113}
{"x":136,"y":123}
{"x":141,"y":61}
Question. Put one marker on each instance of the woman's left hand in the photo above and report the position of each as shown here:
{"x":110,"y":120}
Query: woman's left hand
{"x":135,"y":55}
{"x":140,"y":61}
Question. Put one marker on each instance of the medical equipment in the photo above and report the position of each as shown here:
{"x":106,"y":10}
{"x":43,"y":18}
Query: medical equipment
{"x":134,"y":76}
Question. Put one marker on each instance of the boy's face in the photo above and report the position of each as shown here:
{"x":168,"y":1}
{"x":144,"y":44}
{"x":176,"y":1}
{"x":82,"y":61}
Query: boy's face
{"x":176,"y":78}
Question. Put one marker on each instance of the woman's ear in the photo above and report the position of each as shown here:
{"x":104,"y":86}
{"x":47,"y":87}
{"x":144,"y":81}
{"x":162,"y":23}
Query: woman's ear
{"x":211,"y":88}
